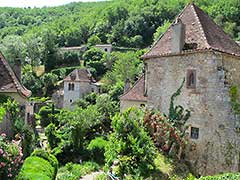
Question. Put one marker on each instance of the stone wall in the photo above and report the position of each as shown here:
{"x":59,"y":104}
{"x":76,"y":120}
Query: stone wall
{"x":125,"y":104}
{"x":215,"y":150}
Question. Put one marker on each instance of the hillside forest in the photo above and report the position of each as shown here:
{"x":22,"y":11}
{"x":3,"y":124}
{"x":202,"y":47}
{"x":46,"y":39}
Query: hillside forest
{"x":93,"y":135}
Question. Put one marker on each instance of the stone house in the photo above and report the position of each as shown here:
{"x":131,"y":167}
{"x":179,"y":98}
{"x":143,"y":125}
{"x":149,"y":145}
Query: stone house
{"x":105,"y":47}
{"x":78,"y":84}
{"x":11,"y":86}
{"x":196,"y":49}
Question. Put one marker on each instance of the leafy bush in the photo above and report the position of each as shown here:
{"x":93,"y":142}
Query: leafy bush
{"x":74,"y":171}
{"x":10,"y":158}
{"x":130,"y":145}
{"x":2,"y":113}
{"x":97,"y":148}
{"x":47,"y":115}
{"x":49,"y":157}
{"x":164,"y":133}
{"x":36,"y":168}
{"x":52,"y":135}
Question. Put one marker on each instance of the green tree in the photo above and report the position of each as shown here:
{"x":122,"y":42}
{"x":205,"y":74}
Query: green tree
{"x":130,"y":145}
{"x":160,"y":30}
{"x":93,"y":40}
{"x":14,"y":49}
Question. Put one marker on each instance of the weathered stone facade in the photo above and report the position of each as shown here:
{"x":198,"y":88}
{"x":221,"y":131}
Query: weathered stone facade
{"x":209,"y":104}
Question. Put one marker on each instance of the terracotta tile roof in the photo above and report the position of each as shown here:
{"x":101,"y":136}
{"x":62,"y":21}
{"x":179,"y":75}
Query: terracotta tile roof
{"x":201,"y":31}
{"x":80,"y":75}
{"x":135,"y":93}
{"x":9,"y":81}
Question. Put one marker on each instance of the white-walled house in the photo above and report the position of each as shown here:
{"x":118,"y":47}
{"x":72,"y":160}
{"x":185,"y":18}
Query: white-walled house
{"x":78,"y":84}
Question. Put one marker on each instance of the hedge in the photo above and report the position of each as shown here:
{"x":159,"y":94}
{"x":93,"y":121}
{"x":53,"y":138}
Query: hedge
{"x":39,"y":166}
{"x":36,"y":168}
{"x":49,"y":157}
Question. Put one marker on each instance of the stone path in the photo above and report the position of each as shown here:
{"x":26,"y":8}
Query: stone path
{"x":91,"y":176}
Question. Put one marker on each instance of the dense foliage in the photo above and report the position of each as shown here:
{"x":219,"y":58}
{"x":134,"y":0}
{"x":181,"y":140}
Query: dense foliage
{"x":36,"y":168}
{"x":40,"y":165}
{"x":74,"y":171}
{"x":130,"y":145}
{"x":10,"y":158}
{"x":130,"y":23}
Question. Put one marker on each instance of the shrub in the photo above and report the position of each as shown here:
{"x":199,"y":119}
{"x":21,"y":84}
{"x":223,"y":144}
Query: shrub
{"x":97,"y":148}
{"x":130,"y":145}
{"x":45,"y":113}
{"x":164,"y":133}
{"x":74,"y":171}
{"x":48,"y":157}
{"x":53,"y":137}
{"x":10,"y":158}
{"x":36,"y":168}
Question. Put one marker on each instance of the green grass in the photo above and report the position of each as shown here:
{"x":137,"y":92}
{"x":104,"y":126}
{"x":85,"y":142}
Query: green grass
{"x":74,"y":171}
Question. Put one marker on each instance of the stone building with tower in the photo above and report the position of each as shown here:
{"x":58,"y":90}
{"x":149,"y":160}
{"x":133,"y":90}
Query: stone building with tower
{"x":196,"y":49}
{"x":78,"y":84}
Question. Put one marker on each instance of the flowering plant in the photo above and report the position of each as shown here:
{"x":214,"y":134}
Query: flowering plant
{"x":166,"y":134}
{"x":11,"y":158}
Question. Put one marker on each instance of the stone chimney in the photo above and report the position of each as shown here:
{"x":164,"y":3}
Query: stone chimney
{"x":178,"y":36}
{"x":17,"y":68}
{"x":127,"y":85}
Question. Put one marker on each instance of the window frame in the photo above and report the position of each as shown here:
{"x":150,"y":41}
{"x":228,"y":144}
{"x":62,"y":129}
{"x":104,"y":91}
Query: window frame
{"x":191,"y":73}
{"x":194,"y":133}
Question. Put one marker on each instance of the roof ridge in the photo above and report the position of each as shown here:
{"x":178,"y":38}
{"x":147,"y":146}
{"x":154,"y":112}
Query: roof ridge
{"x":15,"y":80}
{"x":199,"y":21}
{"x":136,"y":82}
{"x":217,"y":26}
{"x":159,"y":38}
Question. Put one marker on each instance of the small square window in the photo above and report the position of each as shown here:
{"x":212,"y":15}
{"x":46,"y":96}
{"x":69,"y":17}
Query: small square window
{"x":194,"y":133}
{"x":191,"y":78}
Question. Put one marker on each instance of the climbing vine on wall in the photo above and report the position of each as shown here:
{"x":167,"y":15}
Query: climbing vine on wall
{"x":235,"y":105}
{"x":177,"y":114}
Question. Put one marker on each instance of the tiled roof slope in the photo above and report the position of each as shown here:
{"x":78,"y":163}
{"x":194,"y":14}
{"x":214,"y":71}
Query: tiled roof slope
{"x":9,"y":83}
{"x":135,"y":93}
{"x":80,"y":75}
{"x":201,"y":31}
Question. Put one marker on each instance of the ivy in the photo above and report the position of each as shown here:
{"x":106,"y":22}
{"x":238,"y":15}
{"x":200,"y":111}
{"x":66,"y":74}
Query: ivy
{"x":177,"y":114}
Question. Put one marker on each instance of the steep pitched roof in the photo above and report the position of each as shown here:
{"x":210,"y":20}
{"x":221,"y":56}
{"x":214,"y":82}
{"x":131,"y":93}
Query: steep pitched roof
{"x":82,"y":75}
{"x":135,"y":93}
{"x":9,"y":81}
{"x":201,"y":31}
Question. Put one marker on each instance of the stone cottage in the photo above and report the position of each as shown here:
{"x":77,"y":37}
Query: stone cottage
{"x":197,"y":49}
{"x":11,"y":86}
{"x":76,"y":85}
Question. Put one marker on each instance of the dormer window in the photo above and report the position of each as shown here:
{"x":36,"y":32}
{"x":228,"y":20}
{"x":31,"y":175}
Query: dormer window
{"x":191,"y":79}
{"x":71,"y":87}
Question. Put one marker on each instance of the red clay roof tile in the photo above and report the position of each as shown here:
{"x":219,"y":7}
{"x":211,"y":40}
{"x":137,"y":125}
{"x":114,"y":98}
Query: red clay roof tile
{"x":201,"y":30}
{"x":9,"y":81}
{"x":136,"y":92}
